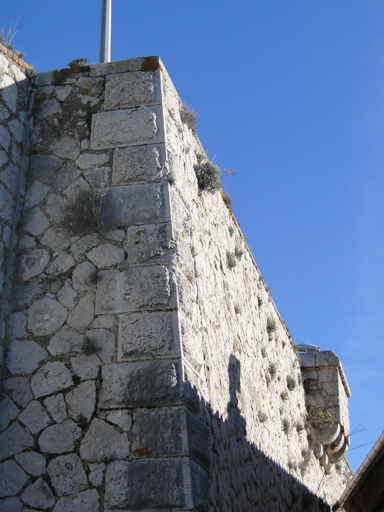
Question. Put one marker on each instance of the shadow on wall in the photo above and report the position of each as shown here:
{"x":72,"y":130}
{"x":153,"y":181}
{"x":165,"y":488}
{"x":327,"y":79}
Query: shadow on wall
{"x":241,"y":477}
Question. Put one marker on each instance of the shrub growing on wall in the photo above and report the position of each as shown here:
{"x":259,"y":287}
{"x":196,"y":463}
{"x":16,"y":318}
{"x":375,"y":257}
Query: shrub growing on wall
{"x":82,"y":214}
{"x":208,"y":175}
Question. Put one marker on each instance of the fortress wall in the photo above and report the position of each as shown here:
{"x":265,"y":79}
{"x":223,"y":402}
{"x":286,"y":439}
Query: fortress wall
{"x":140,"y":374}
{"x":13,"y":111}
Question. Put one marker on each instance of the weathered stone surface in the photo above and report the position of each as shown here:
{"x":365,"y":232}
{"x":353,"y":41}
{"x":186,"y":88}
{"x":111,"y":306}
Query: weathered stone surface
{"x":86,"y":501}
{"x":86,"y":367}
{"x":43,"y":167}
{"x":8,"y":412}
{"x":38,"y":495}
{"x":17,"y":129}
{"x":105,"y":343}
{"x":7,"y":204}
{"x":132,"y":89}
{"x":99,"y":177}
{"x":134,"y":289}
{"x":24,"y":356}
{"x":59,"y":438}
{"x":14,"y":440}
{"x":150,"y":244}
{"x":34,"y":417}
{"x":83,"y":313}
{"x":137,"y":204}
{"x":11,"y":505}
{"x":54,"y":206}
{"x":67,"y":296}
{"x":67,"y":474}
{"x":106,"y":255}
{"x":145,"y":485}
{"x":140,"y":384}
{"x":65,"y":341}
{"x":84,"y":276}
{"x":88,"y":160}
{"x":36,"y":222}
{"x":33,"y":264}
{"x":3,"y":158}
{"x":18,"y":389}
{"x":102,"y":442}
{"x":49,"y":108}
{"x":104,"y":322}
{"x":12,"y":478}
{"x":65,"y":177}
{"x":144,"y":334}
{"x":5,"y":138}
{"x":61,"y":264}
{"x":56,"y":407}
{"x":144,"y":163}
{"x":128,"y":127}
{"x":51,"y":377}
{"x":83,"y":245}
{"x":55,"y":240}
{"x":45,"y":316}
{"x":32,"y":462}
{"x":96,"y":474}
{"x":17,"y":325}
{"x":63,"y":92}
{"x":27,"y":242}
{"x":36,"y":193}
{"x":81,"y":401}
{"x":120,"y":417}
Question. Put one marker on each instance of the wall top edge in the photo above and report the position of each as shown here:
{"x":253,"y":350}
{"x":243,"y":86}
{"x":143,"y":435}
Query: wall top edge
{"x":324,"y":360}
{"x":13,"y":56}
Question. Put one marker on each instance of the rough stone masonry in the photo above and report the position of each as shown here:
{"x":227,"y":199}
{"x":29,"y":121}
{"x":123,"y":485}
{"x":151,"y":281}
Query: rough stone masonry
{"x":140,"y":370}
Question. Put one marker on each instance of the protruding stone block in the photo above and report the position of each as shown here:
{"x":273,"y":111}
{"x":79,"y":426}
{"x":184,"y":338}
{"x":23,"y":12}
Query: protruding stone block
{"x":142,"y":163}
{"x":140,"y":384}
{"x":132,"y":89}
{"x":130,"y":127}
{"x":102,"y":442}
{"x":143,"y":335}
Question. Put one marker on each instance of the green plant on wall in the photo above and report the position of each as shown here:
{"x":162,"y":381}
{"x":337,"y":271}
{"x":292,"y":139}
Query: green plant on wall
{"x":188,"y":116}
{"x":208,"y":175}
{"x":77,"y":63}
{"x":315,"y":414}
{"x":82,"y":214}
{"x":57,"y":77}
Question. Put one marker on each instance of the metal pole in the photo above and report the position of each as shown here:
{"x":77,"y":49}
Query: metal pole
{"x":105,"y":35}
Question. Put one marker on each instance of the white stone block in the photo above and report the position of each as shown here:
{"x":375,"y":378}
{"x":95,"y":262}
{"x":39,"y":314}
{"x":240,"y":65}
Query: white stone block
{"x":24,"y":356}
{"x":45,"y":316}
{"x":67,"y":474}
{"x":51,"y":378}
{"x":132,"y":89}
{"x":102,"y":442}
{"x":59,"y":438}
{"x":142,"y":163}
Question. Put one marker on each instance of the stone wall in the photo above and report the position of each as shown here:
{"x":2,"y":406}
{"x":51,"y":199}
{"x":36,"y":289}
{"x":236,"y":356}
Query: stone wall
{"x":142,"y":373}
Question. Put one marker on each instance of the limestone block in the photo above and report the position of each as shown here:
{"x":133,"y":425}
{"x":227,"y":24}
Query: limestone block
{"x":4,"y":114}
{"x":66,"y":296}
{"x":102,"y":442}
{"x":128,"y":127}
{"x":60,"y":265}
{"x":17,"y":325}
{"x":38,"y":495}
{"x":56,"y":240}
{"x":12,"y":478}
{"x":99,"y":177}
{"x":32,"y":462}
{"x":45,"y":316}
{"x":34,"y":417}
{"x":104,"y":341}
{"x":199,"y":440}
{"x":85,"y":501}
{"x":54,"y":206}
{"x":18,"y":389}
{"x":36,"y":222}
{"x":7,"y":204}
{"x":135,"y":289}
{"x":48,"y":108}
{"x":136,"y":204}
{"x":86,"y":367}
{"x":106,"y":255}
{"x":33,"y":264}
{"x":122,"y":66}
{"x":145,"y":485}
{"x":65,"y":177}
{"x":104,"y":322}
{"x":56,"y":407}
{"x":141,"y":163}
{"x":65,"y":341}
{"x":11,"y":505}
{"x":44,"y":167}
{"x":9,"y":92}
{"x":191,"y":342}
{"x":83,"y":313}
{"x":27,"y":242}
{"x":5,"y":138}
{"x":79,"y":248}
{"x":67,"y":474}
{"x":3,"y":158}
{"x":83,"y":277}
{"x":17,"y":129}
{"x":150,"y":244}
{"x":147,"y":334}
{"x":140,"y":384}
{"x":9,"y":177}
{"x":132,"y":89}
{"x":96,"y":474}
{"x":120,"y":417}
{"x":14,"y":440}
{"x":63,"y":92}
{"x":8,"y":412}
{"x":24,"y":356}
{"x":51,"y":377}
{"x":90,"y":160}
{"x":59,"y":438}
{"x":81,"y":401}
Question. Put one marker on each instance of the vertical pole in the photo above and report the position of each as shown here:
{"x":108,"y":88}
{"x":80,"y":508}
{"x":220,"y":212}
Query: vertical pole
{"x":105,"y":34}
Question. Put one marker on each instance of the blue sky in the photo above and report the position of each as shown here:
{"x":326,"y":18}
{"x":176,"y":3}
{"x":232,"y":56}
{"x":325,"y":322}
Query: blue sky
{"x":290,"y":95}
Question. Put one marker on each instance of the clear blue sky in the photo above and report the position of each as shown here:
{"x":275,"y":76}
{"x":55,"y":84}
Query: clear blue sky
{"x":291,"y":96}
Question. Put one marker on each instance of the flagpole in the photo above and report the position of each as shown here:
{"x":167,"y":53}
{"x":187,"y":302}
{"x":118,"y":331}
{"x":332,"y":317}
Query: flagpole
{"x":105,"y":34}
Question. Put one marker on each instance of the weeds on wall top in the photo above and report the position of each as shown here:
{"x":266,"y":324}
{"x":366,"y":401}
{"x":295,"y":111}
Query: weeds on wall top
{"x":188,"y":116}
{"x":208,"y":175}
{"x":77,"y":63}
{"x":6,"y":38}
{"x":82,"y":214}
